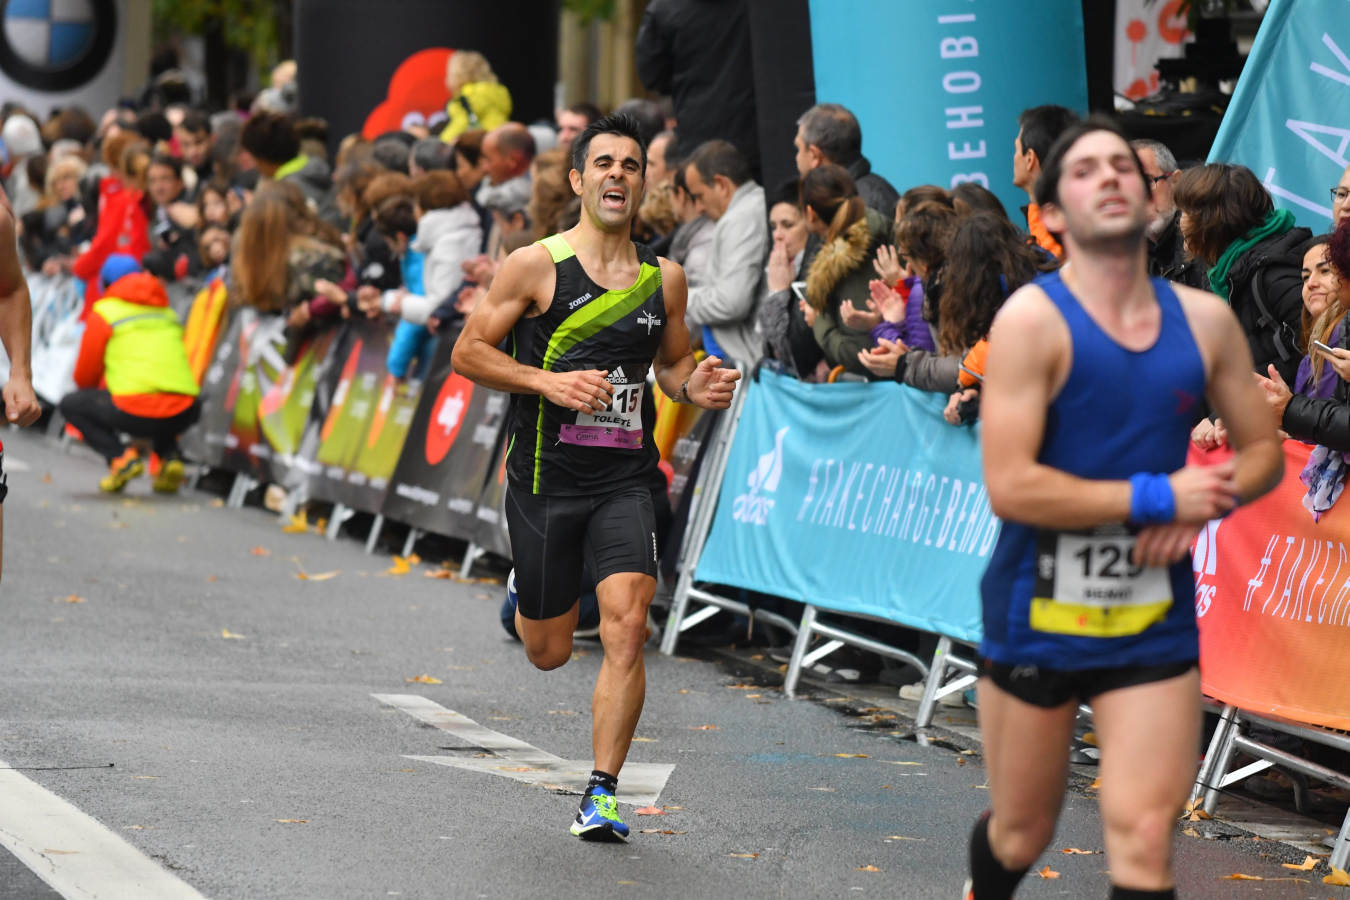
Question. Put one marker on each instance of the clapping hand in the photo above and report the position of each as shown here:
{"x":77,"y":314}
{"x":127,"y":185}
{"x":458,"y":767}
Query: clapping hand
{"x":887,"y":264}
{"x":888,"y":300}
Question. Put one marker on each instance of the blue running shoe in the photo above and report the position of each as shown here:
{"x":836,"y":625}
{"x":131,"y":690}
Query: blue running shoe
{"x":508,"y":610}
{"x":598,"y":819}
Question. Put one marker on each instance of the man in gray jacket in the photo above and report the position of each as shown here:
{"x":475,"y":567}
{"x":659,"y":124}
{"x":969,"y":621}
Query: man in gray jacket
{"x":724,"y":304}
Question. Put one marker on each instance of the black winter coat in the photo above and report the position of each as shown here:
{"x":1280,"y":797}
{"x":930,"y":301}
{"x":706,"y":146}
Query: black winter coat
{"x":1323,"y":421}
{"x":698,"y":52}
{"x":1271,"y":270}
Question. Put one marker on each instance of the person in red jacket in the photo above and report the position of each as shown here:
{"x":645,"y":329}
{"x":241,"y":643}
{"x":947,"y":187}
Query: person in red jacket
{"x":133,"y":341}
{"x":123,"y":225}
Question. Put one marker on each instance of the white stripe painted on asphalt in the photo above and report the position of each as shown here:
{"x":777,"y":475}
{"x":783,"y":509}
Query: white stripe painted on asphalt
{"x":639,"y":784}
{"x":77,"y":856}
{"x":464,"y":728}
{"x":17,"y":465}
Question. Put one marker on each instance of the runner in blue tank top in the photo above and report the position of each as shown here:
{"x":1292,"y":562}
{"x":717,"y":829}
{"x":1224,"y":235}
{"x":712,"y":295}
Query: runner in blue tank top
{"x":1096,"y":375}
{"x":588,"y":312}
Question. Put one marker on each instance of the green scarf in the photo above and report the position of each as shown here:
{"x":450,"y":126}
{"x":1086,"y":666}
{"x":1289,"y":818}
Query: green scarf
{"x":1278,"y":222}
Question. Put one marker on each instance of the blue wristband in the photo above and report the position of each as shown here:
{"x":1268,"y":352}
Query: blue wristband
{"x":1151,"y":500}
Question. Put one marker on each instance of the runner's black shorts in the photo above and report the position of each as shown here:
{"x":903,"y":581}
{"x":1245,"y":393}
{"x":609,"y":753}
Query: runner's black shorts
{"x":554,"y":538}
{"x":1049,"y":688}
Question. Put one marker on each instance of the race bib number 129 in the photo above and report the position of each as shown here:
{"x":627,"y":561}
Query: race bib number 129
{"x":1087,"y":585}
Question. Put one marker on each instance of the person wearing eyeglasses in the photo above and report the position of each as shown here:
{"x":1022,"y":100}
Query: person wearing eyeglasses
{"x":1340,"y":200}
{"x":1167,"y":256}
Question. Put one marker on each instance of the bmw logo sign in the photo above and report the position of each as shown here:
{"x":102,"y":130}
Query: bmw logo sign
{"x":55,"y":45}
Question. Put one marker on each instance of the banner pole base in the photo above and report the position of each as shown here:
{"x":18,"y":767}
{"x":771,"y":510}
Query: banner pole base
{"x":472,"y":554}
{"x":413,"y":535}
{"x":339,"y":515}
{"x":375,"y":528}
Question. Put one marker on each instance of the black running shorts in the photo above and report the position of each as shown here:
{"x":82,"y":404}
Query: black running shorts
{"x":1049,"y":688}
{"x":554,"y":538}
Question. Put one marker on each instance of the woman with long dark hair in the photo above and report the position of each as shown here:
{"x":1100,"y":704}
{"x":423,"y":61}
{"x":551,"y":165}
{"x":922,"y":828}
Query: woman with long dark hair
{"x":837,"y":280}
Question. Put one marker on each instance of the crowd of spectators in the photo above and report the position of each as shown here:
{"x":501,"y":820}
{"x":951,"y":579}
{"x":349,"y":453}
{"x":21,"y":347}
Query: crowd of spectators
{"x":836,"y":274}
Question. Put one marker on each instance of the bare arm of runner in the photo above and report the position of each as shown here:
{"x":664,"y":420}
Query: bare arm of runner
{"x":16,"y":325}
{"x":1029,"y":358}
{"x":1259,"y":461}
{"x":525,"y":280}
{"x":707,"y":385}
{"x":1234,"y":393}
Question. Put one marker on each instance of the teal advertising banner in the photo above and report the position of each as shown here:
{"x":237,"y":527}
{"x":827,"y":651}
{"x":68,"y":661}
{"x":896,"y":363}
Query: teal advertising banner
{"x":857,"y":498}
{"x":1288,"y":119}
{"x":937,"y":84}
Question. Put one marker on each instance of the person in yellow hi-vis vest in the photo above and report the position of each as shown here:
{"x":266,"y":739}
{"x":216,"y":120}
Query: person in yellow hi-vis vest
{"x":133,"y":342}
{"x":477,"y":99}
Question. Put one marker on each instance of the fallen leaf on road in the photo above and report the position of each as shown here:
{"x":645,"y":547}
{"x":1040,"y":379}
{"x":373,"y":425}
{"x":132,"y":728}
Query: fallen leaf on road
{"x":217,"y":502}
{"x":401,"y":566}
{"x":900,"y":762}
{"x":1190,"y":832}
{"x":439,"y":573}
{"x":867,"y":869}
{"x":702,"y":727}
{"x":317,"y":576}
{"x":901,"y":837}
{"x":1238,"y":876}
{"x":741,"y":687}
{"x":644,"y":740}
{"x":320,"y":525}
{"x":260,"y":551}
{"x":230,"y":635}
{"x":424,"y":679}
{"x":74,"y":598}
{"x":1097,"y":784}
{"x":852,"y":755}
{"x":46,"y":477}
{"x":626,"y":882}
{"x":136,"y":827}
{"x":744,"y":855}
{"x":753,"y":696}
{"x":1048,"y":872}
{"x":1309,"y":863}
{"x":1195,"y":810}
{"x":659,"y":831}
{"x":211,"y":578}
{"x":293,"y":821}
{"x":298,"y":524}
{"x":650,"y":811}
{"x":562,"y":712}
{"x":669,"y":807}
{"x":1074,"y":851}
{"x":1337,"y":877}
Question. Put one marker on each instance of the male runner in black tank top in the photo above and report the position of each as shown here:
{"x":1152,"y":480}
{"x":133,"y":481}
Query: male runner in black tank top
{"x":588,"y":312}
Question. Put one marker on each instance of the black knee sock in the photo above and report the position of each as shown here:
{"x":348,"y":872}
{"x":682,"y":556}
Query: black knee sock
{"x":1124,"y":893}
{"x":602,"y":779}
{"x":988,"y":878}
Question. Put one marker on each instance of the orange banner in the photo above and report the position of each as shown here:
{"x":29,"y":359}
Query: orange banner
{"x":1272,"y":592}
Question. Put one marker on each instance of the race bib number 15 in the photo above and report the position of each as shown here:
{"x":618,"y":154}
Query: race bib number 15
{"x":619,"y":426}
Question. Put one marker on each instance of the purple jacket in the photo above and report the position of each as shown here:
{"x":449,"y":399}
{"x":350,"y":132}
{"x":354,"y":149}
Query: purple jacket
{"x":1326,"y":384}
{"x":912,"y":331}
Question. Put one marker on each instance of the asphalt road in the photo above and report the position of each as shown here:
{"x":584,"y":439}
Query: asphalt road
{"x":166,"y":672}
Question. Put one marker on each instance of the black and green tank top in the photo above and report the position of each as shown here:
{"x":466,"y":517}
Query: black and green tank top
{"x":555,"y":450}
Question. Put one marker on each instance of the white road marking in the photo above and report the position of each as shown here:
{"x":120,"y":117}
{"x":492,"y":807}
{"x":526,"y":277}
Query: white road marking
{"x":77,"y":856}
{"x":640,"y":784}
{"x":17,"y":465}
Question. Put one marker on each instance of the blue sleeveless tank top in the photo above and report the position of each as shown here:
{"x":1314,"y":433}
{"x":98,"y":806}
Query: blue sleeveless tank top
{"x":1072,"y":600}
